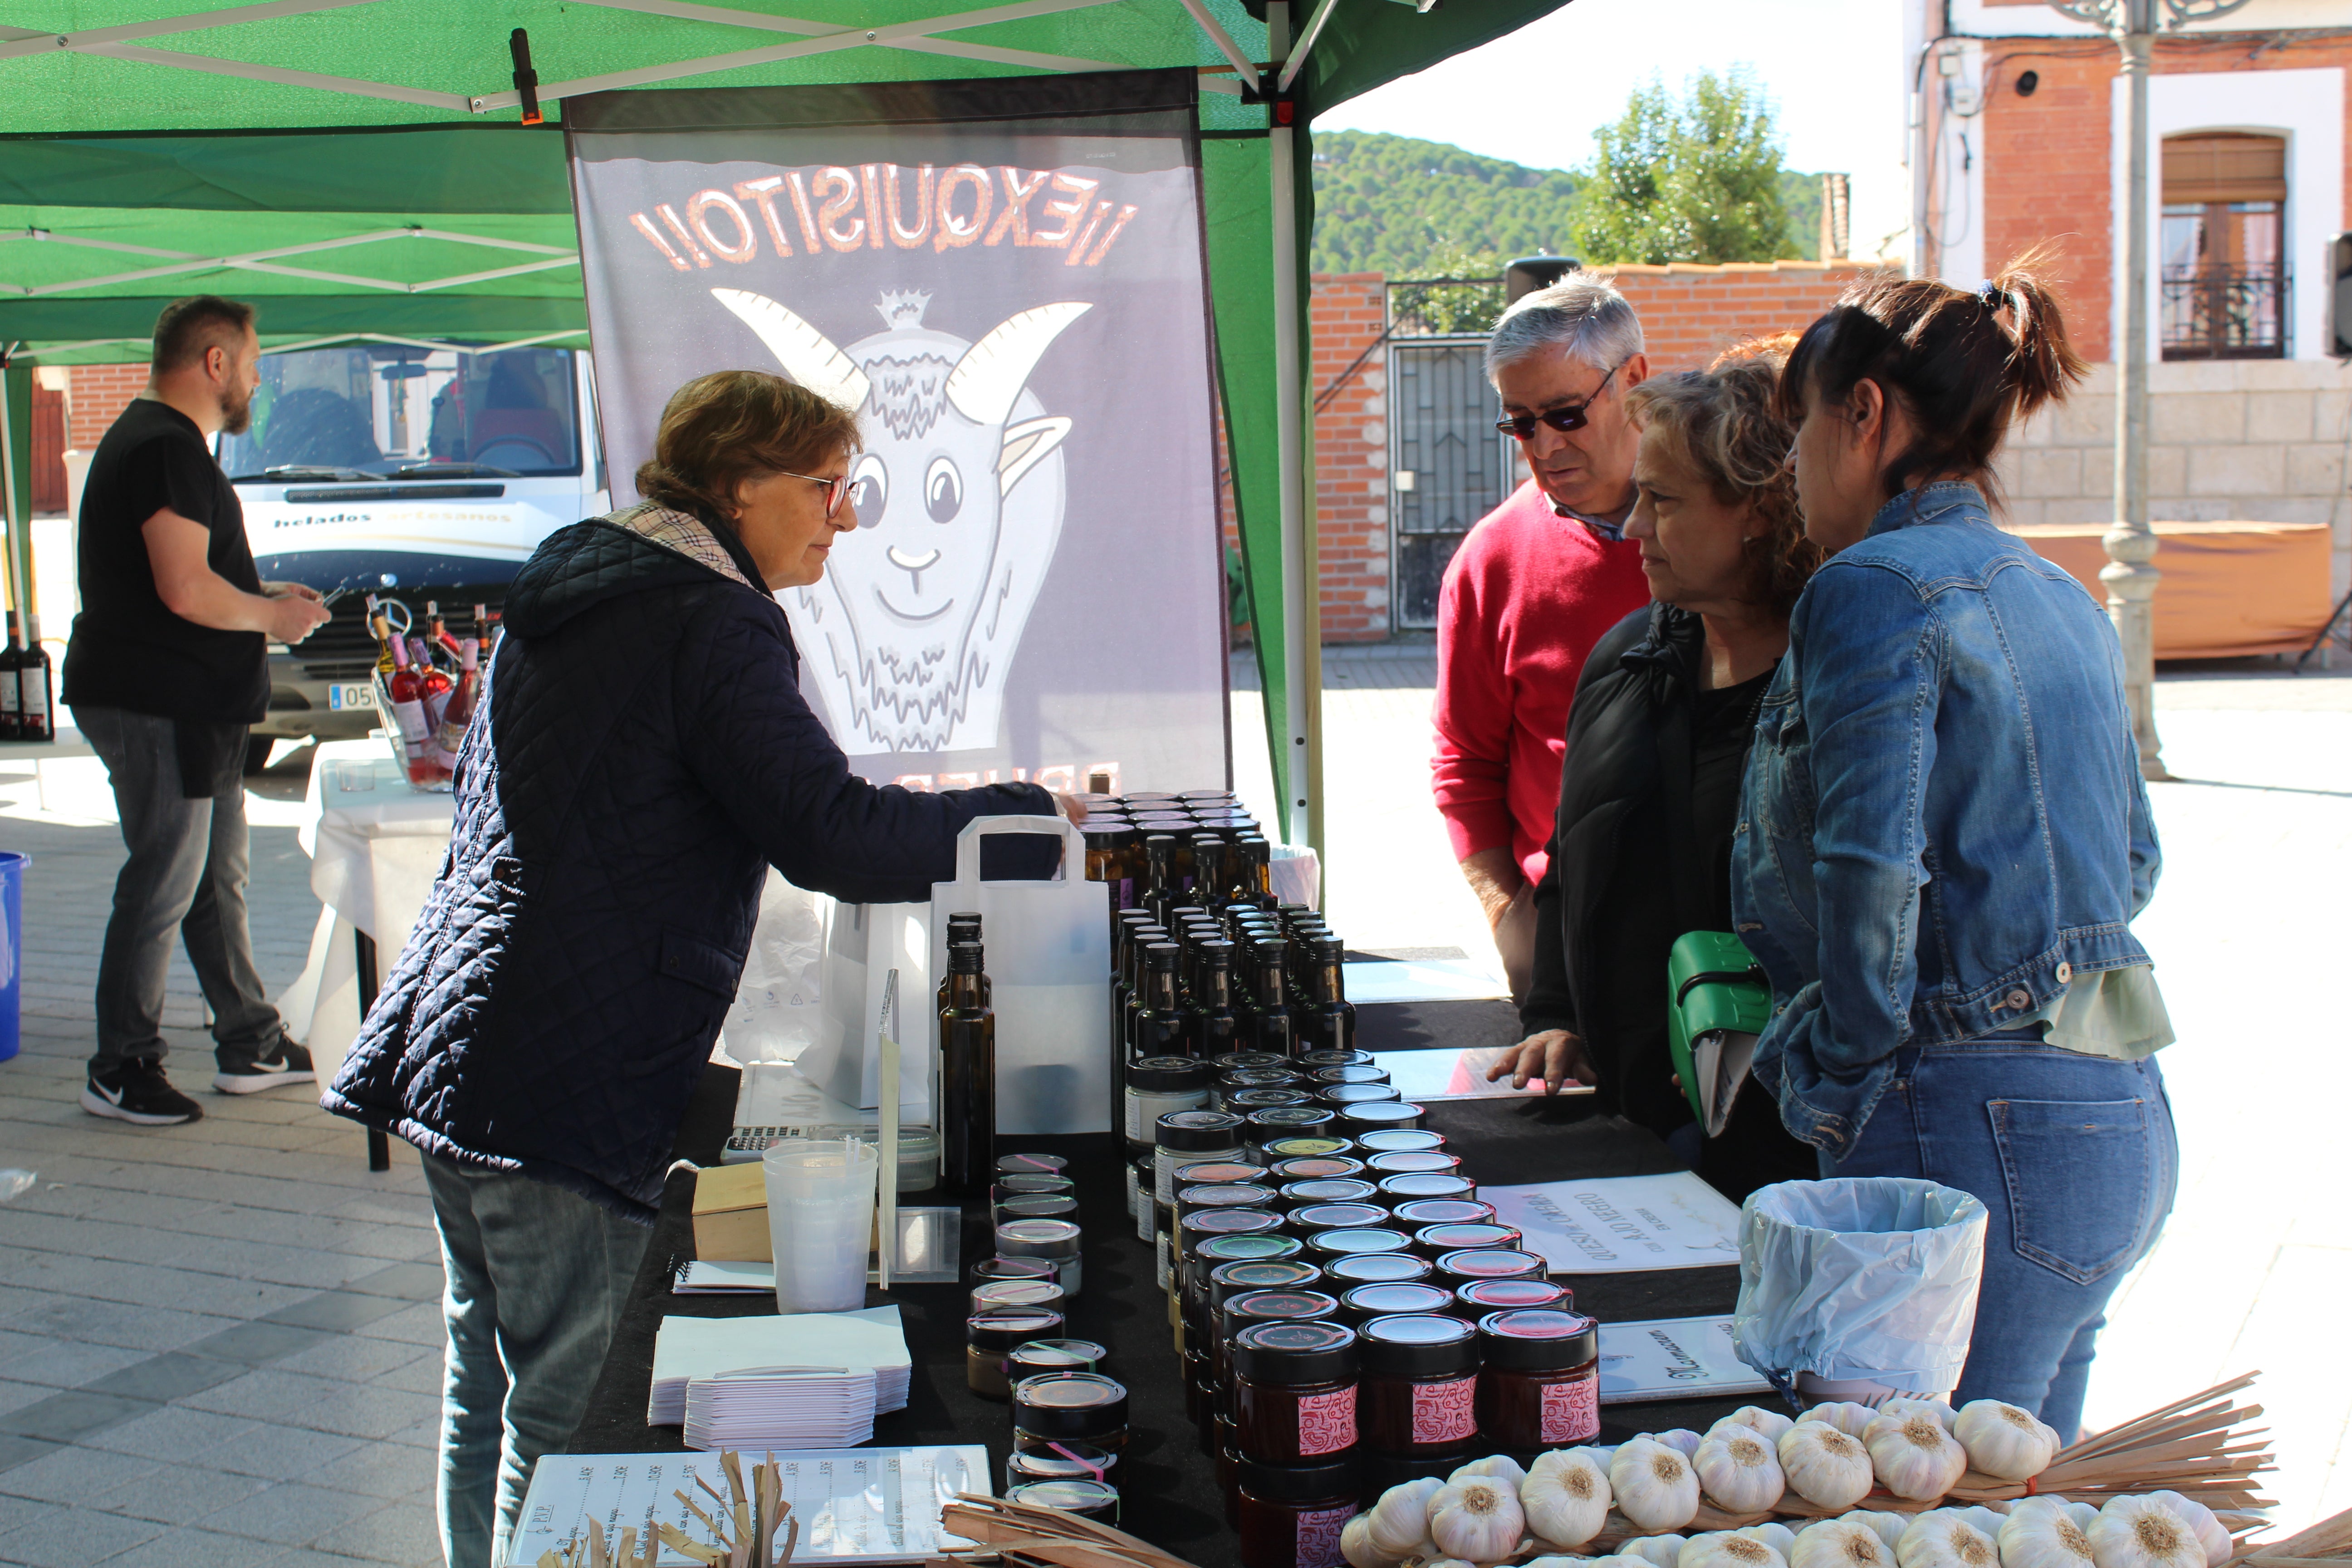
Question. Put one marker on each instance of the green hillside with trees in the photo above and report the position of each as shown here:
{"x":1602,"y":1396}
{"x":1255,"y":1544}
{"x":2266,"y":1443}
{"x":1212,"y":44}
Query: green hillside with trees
{"x":1690,"y":177}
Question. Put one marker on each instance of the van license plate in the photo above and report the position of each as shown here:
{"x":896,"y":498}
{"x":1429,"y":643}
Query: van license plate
{"x":350,"y":694}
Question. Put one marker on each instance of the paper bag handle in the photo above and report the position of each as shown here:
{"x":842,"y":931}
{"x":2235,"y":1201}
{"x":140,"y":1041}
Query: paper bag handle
{"x":1074,"y":843}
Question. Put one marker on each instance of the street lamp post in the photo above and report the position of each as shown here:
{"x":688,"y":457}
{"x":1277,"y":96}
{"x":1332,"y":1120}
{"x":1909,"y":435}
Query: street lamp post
{"x":2130,"y":572}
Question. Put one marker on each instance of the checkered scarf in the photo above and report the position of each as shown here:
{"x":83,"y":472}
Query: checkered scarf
{"x":687,"y":535}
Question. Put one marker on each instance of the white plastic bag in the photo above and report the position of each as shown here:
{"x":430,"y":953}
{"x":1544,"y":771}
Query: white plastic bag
{"x":778,"y":1005}
{"x":1860,"y":1279}
{"x":1048,"y":956}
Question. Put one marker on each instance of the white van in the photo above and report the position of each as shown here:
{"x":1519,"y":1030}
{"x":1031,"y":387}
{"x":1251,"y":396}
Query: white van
{"x":414,"y":471}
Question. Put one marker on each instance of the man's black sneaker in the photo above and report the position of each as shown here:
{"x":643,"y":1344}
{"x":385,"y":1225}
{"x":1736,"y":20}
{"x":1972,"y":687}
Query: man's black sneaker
{"x":139,"y":1093}
{"x":289,"y":1063}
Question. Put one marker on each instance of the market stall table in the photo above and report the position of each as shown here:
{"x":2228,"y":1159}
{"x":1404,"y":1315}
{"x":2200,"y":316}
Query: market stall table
{"x":1166,"y":1482}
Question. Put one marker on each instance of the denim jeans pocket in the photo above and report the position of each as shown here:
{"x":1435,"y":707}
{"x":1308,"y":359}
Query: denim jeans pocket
{"x":2079,"y":1175}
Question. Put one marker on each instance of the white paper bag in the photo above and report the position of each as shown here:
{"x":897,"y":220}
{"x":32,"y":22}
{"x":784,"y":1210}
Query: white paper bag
{"x":865,"y":942}
{"x":1048,"y":954}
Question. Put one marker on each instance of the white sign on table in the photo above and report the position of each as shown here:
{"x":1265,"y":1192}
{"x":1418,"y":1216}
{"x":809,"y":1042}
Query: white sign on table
{"x":854,"y":1505}
{"x":1673,"y":1358}
{"x":1621,"y":1225}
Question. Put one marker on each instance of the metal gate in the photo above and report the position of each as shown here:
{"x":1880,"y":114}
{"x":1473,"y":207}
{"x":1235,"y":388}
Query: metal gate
{"x":1448,"y":465}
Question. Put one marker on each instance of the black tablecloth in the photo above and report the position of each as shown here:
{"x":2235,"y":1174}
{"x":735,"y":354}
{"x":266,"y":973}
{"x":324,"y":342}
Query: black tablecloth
{"x":1167,"y":1487}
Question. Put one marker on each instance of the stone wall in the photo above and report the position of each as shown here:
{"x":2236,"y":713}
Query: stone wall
{"x":2257,"y":439}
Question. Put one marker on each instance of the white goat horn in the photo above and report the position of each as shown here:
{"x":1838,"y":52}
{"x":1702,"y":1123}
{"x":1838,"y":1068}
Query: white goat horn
{"x":807,"y":355}
{"x":993,"y":371}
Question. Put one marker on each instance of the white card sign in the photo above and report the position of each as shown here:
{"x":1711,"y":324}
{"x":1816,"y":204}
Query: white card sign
{"x":1673,"y":1358}
{"x":1621,"y":1225}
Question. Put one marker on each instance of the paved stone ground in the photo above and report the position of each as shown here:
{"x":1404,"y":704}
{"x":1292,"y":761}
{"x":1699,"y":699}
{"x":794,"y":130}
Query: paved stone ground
{"x":220,"y":1343}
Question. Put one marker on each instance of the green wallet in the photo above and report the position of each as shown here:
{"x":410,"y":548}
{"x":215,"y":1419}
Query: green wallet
{"x":1717,"y":1001}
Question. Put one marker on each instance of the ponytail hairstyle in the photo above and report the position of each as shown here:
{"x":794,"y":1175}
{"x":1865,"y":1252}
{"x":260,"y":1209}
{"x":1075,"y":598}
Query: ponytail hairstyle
{"x":1961,"y":373}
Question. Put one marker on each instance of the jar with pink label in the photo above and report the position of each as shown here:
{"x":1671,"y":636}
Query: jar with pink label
{"x":1294,"y":1390}
{"x":1540,"y":1385}
{"x":1290,"y":1516}
{"x":1416,"y":1394}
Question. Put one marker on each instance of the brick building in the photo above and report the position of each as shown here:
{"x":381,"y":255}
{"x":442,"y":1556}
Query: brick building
{"x":2020,"y":141}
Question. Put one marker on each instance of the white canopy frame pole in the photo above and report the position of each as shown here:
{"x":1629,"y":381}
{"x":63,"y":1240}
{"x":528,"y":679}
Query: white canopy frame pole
{"x":1302,"y":618}
{"x":19,"y":542}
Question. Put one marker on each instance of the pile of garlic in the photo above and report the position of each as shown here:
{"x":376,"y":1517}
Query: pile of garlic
{"x":1491,"y":1512}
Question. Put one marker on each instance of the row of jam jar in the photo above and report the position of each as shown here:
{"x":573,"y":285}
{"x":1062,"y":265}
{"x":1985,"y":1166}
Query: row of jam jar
{"x":1069,"y":1419}
{"x":1323,"y":1416}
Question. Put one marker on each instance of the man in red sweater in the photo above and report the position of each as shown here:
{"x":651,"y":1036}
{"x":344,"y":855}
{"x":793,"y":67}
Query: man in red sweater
{"x":1532,"y":588}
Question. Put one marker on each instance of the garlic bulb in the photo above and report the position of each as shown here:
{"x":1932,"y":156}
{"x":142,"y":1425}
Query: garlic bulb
{"x":1738,"y":1468}
{"x":1398,"y":1522}
{"x":1654,"y":1485}
{"x":2003,"y":1440}
{"x":1494,"y":1467}
{"x":2142,"y":1532}
{"x":1477,"y":1518}
{"x":1770,"y":1423}
{"x":1566,"y":1497}
{"x":1681,"y":1438}
{"x":1889,"y":1525}
{"x":1913,"y":1455}
{"x":1825,"y":1465}
{"x":1848,"y":1417}
{"x":1772,"y":1533}
{"x":1658,"y":1550}
{"x":1840,"y":1543}
{"x":1726,"y":1549}
{"x":1903,"y":1406}
{"x":1940,"y":1538}
{"x":1625,"y":1559}
{"x":1356,"y":1545}
{"x":2210,"y":1532}
{"x":2047,"y":1532}
{"x":1558,"y":1561}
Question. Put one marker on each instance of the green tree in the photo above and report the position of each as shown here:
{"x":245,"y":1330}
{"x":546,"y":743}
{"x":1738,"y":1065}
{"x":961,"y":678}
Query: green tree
{"x":1697,"y":178}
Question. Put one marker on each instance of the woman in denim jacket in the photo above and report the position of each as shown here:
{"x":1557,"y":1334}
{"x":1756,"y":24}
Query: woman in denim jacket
{"x":1945,"y":836}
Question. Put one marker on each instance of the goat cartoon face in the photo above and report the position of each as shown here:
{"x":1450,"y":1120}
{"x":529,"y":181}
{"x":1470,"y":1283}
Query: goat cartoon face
{"x":959,"y":514}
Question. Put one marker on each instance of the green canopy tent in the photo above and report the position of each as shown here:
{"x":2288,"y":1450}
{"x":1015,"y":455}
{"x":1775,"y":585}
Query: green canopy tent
{"x":359,"y":168}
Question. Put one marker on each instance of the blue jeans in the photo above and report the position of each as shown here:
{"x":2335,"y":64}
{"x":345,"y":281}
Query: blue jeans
{"x":536,"y":1280}
{"x":2073,"y":1157}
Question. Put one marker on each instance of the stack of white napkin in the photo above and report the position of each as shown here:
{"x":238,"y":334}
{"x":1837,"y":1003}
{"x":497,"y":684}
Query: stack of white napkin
{"x":810,"y":1380}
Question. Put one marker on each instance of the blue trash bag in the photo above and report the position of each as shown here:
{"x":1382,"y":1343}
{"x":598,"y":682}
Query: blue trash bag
{"x":1863,"y":1279}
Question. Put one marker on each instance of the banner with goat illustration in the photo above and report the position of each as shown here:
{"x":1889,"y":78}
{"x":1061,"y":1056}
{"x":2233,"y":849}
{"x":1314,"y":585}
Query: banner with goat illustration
{"x":1005,"y":277}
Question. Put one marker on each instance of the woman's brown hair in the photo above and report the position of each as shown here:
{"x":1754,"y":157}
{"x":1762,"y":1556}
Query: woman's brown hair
{"x":1946,"y":355}
{"x":1724,"y":423}
{"x":720,"y":429}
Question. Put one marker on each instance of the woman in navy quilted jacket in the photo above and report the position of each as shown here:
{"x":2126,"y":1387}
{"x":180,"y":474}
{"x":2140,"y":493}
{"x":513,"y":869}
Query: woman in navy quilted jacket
{"x":642,"y":757}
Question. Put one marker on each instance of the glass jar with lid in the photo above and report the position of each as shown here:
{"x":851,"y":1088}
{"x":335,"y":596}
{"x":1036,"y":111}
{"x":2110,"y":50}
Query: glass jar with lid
{"x":1334,"y":1056}
{"x":1374,"y":1269}
{"x":1418,"y":1384}
{"x":1539,"y":1383}
{"x":1199,"y":1227}
{"x":1191,"y":1201}
{"x":1348,"y":1072}
{"x":1362,"y":1303}
{"x":1250,"y":1307}
{"x":1306,"y":1145}
{"x":1209,"y":1173}
{"x":1086,"y":1498}
{"x":1315,"y":1190}
{"x":1330,"y":1244}
{"x":1066,"y":1407}
{"x":1157,"y":1086}
{"x":1294,"y":1391}
{"x":1248,"y":1061}
{"x":1415,"y":1186}
{"x":1075,"y":1461}
{"x":1038,"y":1357}
{"x":1436,"y":1240}
{"x":1376,"y":1116}
{"x":1290,"y":1516}
{"x":1412,"y":1162}
{"x":1483,"y":1296}
{"x":1308,"y":1218}
{"x":1386,"y":1139}
{"x":991,"y":1294}
{"x":1245,"y":1101}
{"x":1423,"y":1212}
{"x":1313,"y":1168}
{"x":1455,"y":1269}
{"x":1270,"y":1123}
{"x":1248,"y":1247}
{"x":1055,"y":1241}
{"x":991,"y":1336}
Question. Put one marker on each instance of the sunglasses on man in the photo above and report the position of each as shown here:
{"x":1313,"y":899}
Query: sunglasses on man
{"x":1574,"y":416}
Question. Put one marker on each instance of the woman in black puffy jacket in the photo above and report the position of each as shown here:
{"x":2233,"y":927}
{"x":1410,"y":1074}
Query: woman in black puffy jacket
{"x":643,"y":756}
{"x":1657,"y":740}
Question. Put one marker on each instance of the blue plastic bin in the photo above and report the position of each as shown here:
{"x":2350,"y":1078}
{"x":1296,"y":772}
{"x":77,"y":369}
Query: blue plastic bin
{"x":12,"y":949}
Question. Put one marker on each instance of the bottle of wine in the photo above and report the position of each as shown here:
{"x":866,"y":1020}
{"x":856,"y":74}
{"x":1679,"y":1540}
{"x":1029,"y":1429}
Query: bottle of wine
{"x":1216,"y":1028}
{"x":1209,"y":870}
{"x":12,"y":711}
{"x":407,"y":710}
{"x":1139,"y":943}
{"x":433,"y":684}
{"x":967,"y":1076}
{"x":458,"y":713}
{"x":35,"y":687}
{"x":1163,"y":1025}
{"x":962,"y":926}
{"x":1275,"y":1028}
{"x":1327,"y":1020}
{"x":1161,"y":890}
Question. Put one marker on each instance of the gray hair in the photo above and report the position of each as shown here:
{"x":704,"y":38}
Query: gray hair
{"x":1582,"y":315}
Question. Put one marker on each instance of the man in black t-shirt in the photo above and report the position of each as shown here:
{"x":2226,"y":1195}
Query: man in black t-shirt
{"x":166,"y":671}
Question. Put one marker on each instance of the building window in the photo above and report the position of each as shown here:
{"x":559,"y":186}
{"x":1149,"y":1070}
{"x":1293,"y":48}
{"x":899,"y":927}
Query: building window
{"x":2223,"y":271}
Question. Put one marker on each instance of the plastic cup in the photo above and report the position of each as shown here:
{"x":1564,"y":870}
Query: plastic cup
{"x":820,"y":1222}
